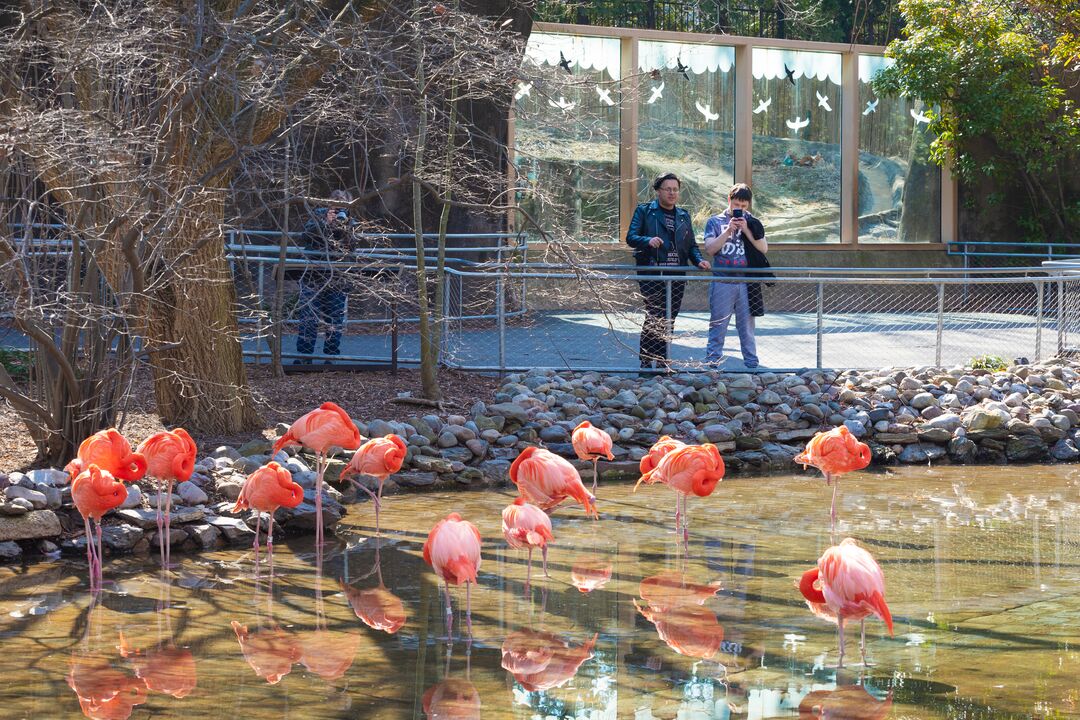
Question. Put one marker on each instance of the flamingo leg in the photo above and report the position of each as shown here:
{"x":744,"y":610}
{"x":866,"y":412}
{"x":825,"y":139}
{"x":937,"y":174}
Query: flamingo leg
{"x":449,"y":614}
{"x":99,"y":556}
{"x":89,"y":551}
{"x":160,"y":523}
{"x":269,"y":544}
{"x":378,"y":506}
{"x":543,"y":551}
{"x":840,"y":631}
{"x":320,"y":469}
{"x":168,"y":524}
{"x":595,"y":474}
{"x":862,"y":641}
{"x":685,"y":522}
{"x":678,"y":512}
{"x":528,"y":573}
{"x":468,"y":607}
{"x":832,"y":509}
{"x":258,"y":527}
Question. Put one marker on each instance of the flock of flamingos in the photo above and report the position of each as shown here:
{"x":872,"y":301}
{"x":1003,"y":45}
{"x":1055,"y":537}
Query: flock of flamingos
{"x":846,"y":585}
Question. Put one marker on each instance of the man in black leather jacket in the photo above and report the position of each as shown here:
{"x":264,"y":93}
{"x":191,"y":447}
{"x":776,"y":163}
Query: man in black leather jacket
{"x":323,"y":289}
{"x":662,"y":236}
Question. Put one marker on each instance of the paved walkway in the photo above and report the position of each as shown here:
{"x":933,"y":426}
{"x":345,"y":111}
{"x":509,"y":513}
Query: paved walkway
{"x":785,"y":340}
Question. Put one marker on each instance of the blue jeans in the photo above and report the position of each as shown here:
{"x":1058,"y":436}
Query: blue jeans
{"x":726,"y":299}
{"x":325,"y":304}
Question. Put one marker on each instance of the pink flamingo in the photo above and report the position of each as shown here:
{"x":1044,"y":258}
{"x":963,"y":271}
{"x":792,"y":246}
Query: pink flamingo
{"x":545,"y":479}
{"x":689,"y":470}
{"x":834,"y":453}
{"x":95,"y":492}
{"x":321,"y":430}
{"x":170,"y":457}
{"x":452,"y":549}
{"x":527,"y":526}
{"x":591,"y":443}
{"x":380,"y":458}
{"x":658,"y":450}
{"x":850,"y":583}
{"x":110,"y":451}
{"x":267,"y":489}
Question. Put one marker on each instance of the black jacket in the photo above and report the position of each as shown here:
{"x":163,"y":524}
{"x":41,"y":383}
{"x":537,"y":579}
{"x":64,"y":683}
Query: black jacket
{"x":648,"y":222}
{"x":330,"y":241}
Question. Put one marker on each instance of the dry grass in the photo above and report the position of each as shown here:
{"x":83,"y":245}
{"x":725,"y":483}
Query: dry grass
{"x":365,"y":396}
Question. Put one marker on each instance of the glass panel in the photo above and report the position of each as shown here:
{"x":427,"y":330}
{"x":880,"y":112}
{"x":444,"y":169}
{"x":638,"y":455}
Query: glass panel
{"x":899,"y":189}
{"x":567,"y":135}
{"x":686,"y":122}
{"x":796,"y":145}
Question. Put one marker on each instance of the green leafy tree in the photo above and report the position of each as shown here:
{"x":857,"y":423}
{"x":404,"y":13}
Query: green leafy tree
{"x":998,"y":76}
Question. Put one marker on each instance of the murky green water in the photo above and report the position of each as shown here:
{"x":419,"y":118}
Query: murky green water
{"x":982,"y":569}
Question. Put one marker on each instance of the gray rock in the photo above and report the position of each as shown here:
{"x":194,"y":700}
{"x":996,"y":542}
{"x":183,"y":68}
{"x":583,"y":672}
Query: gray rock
{"x":225,"y":451}
{"x":303,"y":516}
{"x":134,"y":497}
{"x":230,"y":489}
{"x":496,"y":472}
{"x":147,"y":519}
{"x":415,"y":479}
{"x":878,"y":414}
{"x":121,"y":538}
{"x":447,"y":440}
{"x":54,"y":498}
{"x":9,"y":551}
{"x":554,"y":434}
{"x":922,"y":400}
{"x":176,"y":538}
{"x":978,"y":419}
{"x":457,"y":454}
{"x":49,"y":476}
{"x":769,"y":397}
{"x":949,"y":422}
{"x":35,"y":498}
{"x":477,"y":447}
{"x":15,"y":507}
{"x":249,"y":464}
{"x":224,"y":464}
{"x":920,"y":453}
{"x":510,"y":411}
{"x":1022,"y":448}
{"x":379,"y":428}
{"x":962,"y":450}
{"x":191,"y":493}
{"x":32,"y":525}
{"x":234,"y":530}
{"x":934,"y":435}
{"x":718,"y":433}
{"x":799,"y":434}
{"x":205,"y":535}
{"x":855,"y":427}
{"x":1064,"y":450}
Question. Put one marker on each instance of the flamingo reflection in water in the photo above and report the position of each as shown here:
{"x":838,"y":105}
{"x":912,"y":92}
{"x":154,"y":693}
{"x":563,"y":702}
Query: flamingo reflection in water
{"x":542,"y":660}
{"x":268,"y":649}
{"x":846,"y":702}
{"x":376,"y":607}
{"x":591,"y":572}
{"x":164,"y":668}
{"x":453,"y":698}
{"x":674,"y":604}
{"x":106,"y":691}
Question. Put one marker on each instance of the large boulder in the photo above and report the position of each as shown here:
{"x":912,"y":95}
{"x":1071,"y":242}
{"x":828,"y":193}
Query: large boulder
{"x":34,"y":524}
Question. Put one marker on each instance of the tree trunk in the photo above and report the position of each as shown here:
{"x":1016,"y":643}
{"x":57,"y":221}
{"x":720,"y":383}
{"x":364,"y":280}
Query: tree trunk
{"x":193,"y":335}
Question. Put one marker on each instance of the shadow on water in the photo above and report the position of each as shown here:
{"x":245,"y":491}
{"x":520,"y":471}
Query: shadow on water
{"x":631,"y":623}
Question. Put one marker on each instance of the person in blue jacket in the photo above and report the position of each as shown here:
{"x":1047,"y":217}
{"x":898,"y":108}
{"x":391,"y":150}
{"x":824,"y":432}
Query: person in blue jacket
{"x":662,"y":237}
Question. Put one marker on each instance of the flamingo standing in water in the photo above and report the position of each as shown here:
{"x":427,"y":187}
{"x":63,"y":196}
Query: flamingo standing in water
{"x":452,"y":549}
{"x":321,"y":430}
{"x":591,"y":443}
{"x":95,"y":492}
{"x":652,"y":458}
{"x":110,"y":451}
{"x":850,"y":584}
{"x":379,"y":458}
{"x":170,"y":457}
{"x":691,"y":469}
{"x":545,"y":480}
{"x":834,"y":453}
{"x":267,"y":489}
{"x":525,"y":525}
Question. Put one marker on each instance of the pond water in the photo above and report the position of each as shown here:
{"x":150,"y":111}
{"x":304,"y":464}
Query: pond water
{"x":982,"y":567}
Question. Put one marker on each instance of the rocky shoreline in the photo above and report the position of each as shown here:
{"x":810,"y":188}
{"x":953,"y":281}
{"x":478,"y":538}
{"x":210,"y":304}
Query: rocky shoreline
{"x":759,"y":422}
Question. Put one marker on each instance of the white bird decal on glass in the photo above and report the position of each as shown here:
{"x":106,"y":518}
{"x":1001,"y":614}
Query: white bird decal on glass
{"x":657,"y":93}
{"x":797,"y":124}
{"x":605,"y":96}
{"x":523,"y":90}
{"x":823,"y":101}
{"x":871,"y":106}
{"x":563,"y":104}
{"x":763,"y":106}
{"x":919,"y":117}
{"x":706,"y":111}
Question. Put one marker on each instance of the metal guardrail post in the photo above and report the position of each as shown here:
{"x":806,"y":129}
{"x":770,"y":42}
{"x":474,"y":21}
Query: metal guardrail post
{"x":500,"y":312}
{"x":940,"y":323}
{"x":1061,"y":316}
{"x":669,"y":326}
{"x":1038,"y":319}
{"x":820,"y":321}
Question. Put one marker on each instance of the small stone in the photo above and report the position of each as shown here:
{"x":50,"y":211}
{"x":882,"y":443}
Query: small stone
{"x":35,"y":498}
{"x":205,"y":535}
{"x":225,"y":451}
{"x":191,"y":493}
{"x":134,"y":497}
{"x":259,"y":446}
{"x":555,"y":433}
{"x":962,"y":450}
{"x":121,"y":538}
{"x":379,"y":428}
{"x":15,"y":507}
{"x":230,"y":490}
{"x":477,"y":447}
{"x":855,"y":427}
{"x":235,"y":530}
{"x":9,"y":551}
{"x":718,"y":433}
{"x":447,"y":440}
{"x":949,"y":422}
{"x":510,"y":411}
{"x":769,"y":397}
{"x":922,"y":400}
{"x":48,"y":476}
